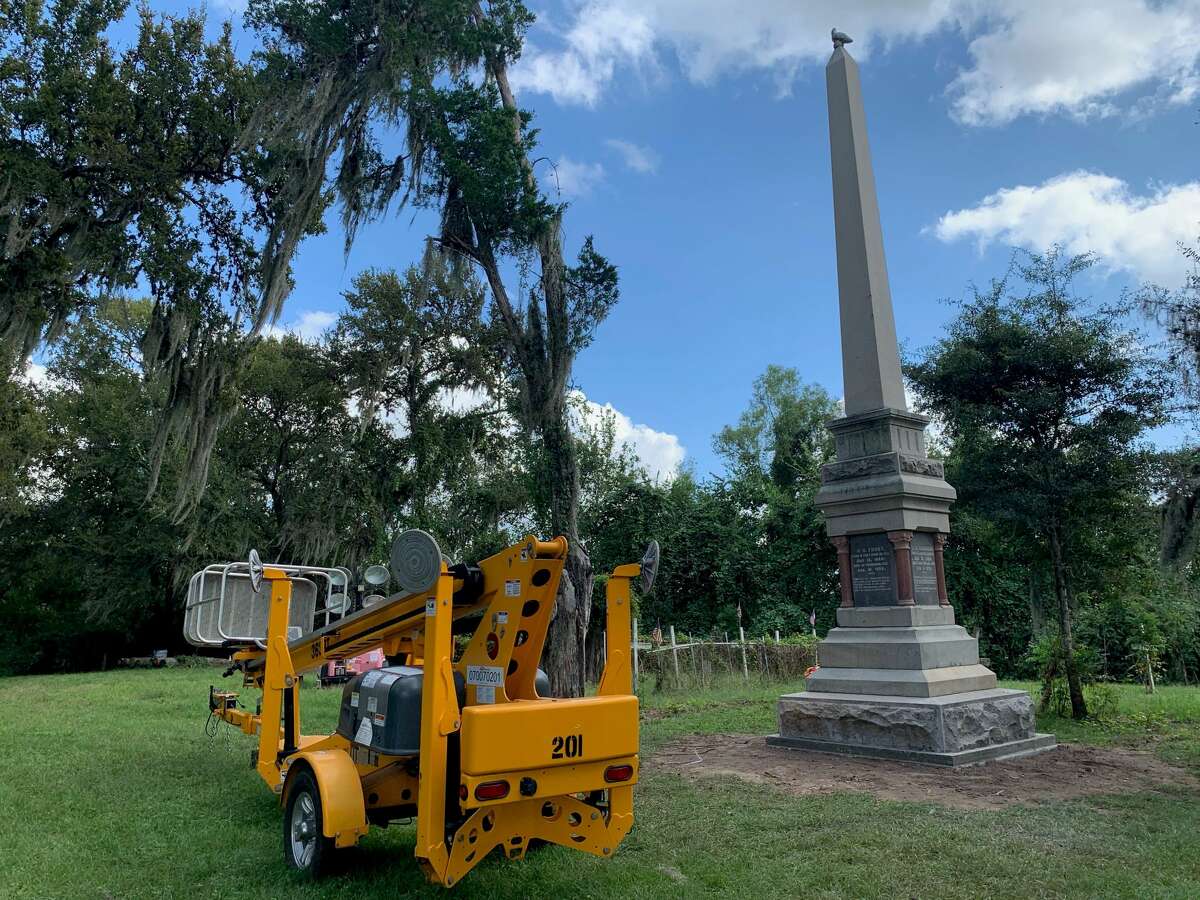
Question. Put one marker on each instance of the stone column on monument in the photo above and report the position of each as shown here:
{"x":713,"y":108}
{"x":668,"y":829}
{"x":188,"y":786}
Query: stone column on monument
{"x":939,"y":545}
{"x":902,"y":544}
{"x":842,"y":544}
{"x":898,"y":677}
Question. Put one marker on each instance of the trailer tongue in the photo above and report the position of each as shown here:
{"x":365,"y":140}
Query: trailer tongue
{"x":465,"y":743}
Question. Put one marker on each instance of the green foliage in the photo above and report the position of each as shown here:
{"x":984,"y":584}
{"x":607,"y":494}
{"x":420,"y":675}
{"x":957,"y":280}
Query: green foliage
{"x":127,"y":169}
{"x":804,"y":639}
{"x":752,"y":541}
{"x":991,"y":578}
{"x":117,"y":164}
{"x":87,"y":564}
{"x":91,"y":569}
{"x":23,"y":439}
{"x":406,"y":347}
{"x":1044,"y":401}
{"x":169,"y":165}
{"x":1045,"y":398}
{"x":781,"y":437}
{"x":1043,"y":660}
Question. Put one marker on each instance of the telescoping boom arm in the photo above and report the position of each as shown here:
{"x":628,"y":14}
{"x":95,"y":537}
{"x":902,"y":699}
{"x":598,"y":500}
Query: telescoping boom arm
{"x":396,"y":625}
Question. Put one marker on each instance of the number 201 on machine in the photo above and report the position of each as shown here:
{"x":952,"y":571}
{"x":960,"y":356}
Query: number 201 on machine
{"x":566,"y":746}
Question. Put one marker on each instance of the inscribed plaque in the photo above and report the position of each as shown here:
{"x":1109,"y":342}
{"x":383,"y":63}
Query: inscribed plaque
{"x":872,"y":570}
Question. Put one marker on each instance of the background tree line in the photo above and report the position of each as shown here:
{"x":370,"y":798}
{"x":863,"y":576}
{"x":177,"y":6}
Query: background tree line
{"x":399,"y":416}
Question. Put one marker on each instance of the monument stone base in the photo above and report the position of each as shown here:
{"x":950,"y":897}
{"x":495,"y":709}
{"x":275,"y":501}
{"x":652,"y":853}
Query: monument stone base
{"x":950,"y":730}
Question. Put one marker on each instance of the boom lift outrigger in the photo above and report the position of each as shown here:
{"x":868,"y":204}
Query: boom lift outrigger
{"x":467,"y":746}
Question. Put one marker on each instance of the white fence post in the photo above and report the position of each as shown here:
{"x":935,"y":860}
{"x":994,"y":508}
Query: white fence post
{"x":742,"y":641}
{"x":674,"y":652}
{"x":635,"y":655}
{"x":777,"y":635}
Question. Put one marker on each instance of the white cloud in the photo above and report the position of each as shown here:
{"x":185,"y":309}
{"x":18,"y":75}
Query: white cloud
{"x":37,"y":374}
{"x":603,"y":35}
{"x":1088,"y":211}
{"x":1025,"y":56}
{"x":464,"y":400}
{"x":309,"y":327}
{"x":642,"y":160}
{"x":574,"y":179}
{"x":1077,"y":58}
{"x":659,"y":452}
{"x":709,"y":38}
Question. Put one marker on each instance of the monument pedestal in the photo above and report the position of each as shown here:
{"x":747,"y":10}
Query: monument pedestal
{"x":949,"y":730}
{"x":905,"y":682}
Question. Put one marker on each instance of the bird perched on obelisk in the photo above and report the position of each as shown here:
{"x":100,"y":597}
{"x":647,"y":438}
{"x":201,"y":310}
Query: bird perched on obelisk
{"x":840,"y":38}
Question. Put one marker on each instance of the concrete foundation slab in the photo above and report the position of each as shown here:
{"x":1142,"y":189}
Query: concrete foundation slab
{"x":1039,"y":743}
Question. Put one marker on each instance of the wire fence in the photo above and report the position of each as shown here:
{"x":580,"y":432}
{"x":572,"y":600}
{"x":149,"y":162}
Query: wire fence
{"x":670,"y":661}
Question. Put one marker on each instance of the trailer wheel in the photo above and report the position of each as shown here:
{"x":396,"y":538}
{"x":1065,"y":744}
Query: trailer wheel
{"x":304,"y":846}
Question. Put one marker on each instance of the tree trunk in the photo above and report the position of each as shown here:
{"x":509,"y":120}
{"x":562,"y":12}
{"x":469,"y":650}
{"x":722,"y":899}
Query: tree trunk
{"x":1048,"y":684}
{"x":563,"y":658}
{"x":594,"y":645}
{"x":545,"y":361}
{"x":1074,"y":684}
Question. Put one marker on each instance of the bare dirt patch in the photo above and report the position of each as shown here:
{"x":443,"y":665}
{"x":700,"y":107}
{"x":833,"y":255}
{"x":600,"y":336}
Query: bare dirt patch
{"x":1071,"y":771}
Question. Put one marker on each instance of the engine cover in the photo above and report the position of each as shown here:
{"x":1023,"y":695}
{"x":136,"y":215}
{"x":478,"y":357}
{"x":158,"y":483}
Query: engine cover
{"x":381,"y":709}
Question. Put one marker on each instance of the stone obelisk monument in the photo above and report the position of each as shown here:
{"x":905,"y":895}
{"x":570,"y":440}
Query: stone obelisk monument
{"x":898,"y":678}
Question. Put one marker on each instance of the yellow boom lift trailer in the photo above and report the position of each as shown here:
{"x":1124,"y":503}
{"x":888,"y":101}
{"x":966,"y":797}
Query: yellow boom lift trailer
{"x":467,"y":745}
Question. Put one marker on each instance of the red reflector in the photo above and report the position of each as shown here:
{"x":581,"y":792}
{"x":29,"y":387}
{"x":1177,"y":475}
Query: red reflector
{"x":491,"y":790}
{"x":618,"y":773}
{"x":462,"y":792}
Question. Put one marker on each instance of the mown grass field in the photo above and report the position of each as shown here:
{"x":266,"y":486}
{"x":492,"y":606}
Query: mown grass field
{"x":109,"y":788}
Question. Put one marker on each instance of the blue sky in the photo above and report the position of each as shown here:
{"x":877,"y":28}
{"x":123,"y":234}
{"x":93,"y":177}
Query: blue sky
{"x":690,"y":137}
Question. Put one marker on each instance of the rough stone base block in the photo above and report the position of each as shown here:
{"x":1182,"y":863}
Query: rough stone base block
{"x":958,"y":729}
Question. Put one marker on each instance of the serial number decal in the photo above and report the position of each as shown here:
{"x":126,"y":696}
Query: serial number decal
{"x":487,"y":675}
{"x":566,"y":746}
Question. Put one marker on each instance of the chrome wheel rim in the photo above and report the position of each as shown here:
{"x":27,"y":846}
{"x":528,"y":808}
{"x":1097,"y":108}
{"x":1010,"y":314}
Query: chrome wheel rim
{"x":304,"y":830}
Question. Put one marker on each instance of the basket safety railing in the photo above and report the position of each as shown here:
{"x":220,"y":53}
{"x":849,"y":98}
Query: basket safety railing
{"x":222,"y":609}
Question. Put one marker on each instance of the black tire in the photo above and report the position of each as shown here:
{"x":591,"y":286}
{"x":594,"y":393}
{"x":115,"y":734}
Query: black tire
{"x":305,"y":848}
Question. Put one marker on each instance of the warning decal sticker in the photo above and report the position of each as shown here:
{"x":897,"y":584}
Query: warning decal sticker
{"x":363,"y":735}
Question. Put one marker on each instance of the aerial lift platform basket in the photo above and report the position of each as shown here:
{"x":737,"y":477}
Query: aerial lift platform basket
{"x":467,"y":746}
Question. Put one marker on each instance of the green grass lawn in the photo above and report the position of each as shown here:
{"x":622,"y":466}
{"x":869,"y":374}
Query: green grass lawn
{"x":110,"y":789}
